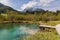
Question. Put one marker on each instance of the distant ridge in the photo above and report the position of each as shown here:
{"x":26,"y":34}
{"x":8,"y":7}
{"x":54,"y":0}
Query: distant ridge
{"x":33,"y":9}
{"x":4,"y":8}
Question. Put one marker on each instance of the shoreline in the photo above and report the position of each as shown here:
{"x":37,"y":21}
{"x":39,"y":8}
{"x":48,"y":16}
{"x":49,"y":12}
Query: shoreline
{"x":17,"y":22}
{"x":52,"y":23}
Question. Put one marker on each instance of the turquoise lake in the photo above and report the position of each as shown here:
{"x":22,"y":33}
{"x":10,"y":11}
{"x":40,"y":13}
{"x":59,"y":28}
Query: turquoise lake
{"x":17,"y":31}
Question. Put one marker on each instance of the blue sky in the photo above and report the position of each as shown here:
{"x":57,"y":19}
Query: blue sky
{"x":20,"y":5}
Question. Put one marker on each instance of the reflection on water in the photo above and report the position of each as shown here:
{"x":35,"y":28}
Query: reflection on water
{"x":17,"y":31}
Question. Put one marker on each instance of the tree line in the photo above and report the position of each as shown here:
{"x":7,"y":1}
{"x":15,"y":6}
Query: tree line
{"x":40,"y":15}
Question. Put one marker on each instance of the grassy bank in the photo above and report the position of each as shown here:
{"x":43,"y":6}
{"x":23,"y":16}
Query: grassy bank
{"x":52,"y":23}
{"x":44,"y":36}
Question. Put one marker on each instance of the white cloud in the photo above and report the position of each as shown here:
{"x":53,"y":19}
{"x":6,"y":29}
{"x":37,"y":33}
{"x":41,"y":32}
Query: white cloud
{"x":28,"y":5}
{"x":54,"y":9}
{"x":6,"y":2}
{"x":45,"y":2}
{"x":34,"y":3}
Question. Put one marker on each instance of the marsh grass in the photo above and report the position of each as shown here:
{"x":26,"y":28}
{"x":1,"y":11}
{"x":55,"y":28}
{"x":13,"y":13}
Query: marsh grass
{"x":44,"y":36}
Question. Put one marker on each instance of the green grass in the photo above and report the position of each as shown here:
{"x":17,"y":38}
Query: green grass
{"x":44,"y":36}
{"x":52,"y":23}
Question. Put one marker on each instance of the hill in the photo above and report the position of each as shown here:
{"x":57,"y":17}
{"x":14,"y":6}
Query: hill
{"x":4,"y":8}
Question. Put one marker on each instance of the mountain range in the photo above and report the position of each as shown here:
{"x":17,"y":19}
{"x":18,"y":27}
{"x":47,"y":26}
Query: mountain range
{"x":4,"y":9}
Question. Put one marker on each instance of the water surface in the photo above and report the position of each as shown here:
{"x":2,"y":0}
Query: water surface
{"x":17,"y":31}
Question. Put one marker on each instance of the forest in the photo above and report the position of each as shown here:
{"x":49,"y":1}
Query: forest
{"x":40,"y":15}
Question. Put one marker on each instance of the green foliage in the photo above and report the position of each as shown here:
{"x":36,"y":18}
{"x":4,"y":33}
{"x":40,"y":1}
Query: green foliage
{"x":9,"y":14}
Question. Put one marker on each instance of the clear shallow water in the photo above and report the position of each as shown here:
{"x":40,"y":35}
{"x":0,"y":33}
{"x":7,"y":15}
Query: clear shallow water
{"x":17,"y":31}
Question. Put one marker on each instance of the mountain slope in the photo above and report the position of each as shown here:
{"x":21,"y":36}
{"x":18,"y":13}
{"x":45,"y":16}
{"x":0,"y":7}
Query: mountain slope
{"x":4,"y":8}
